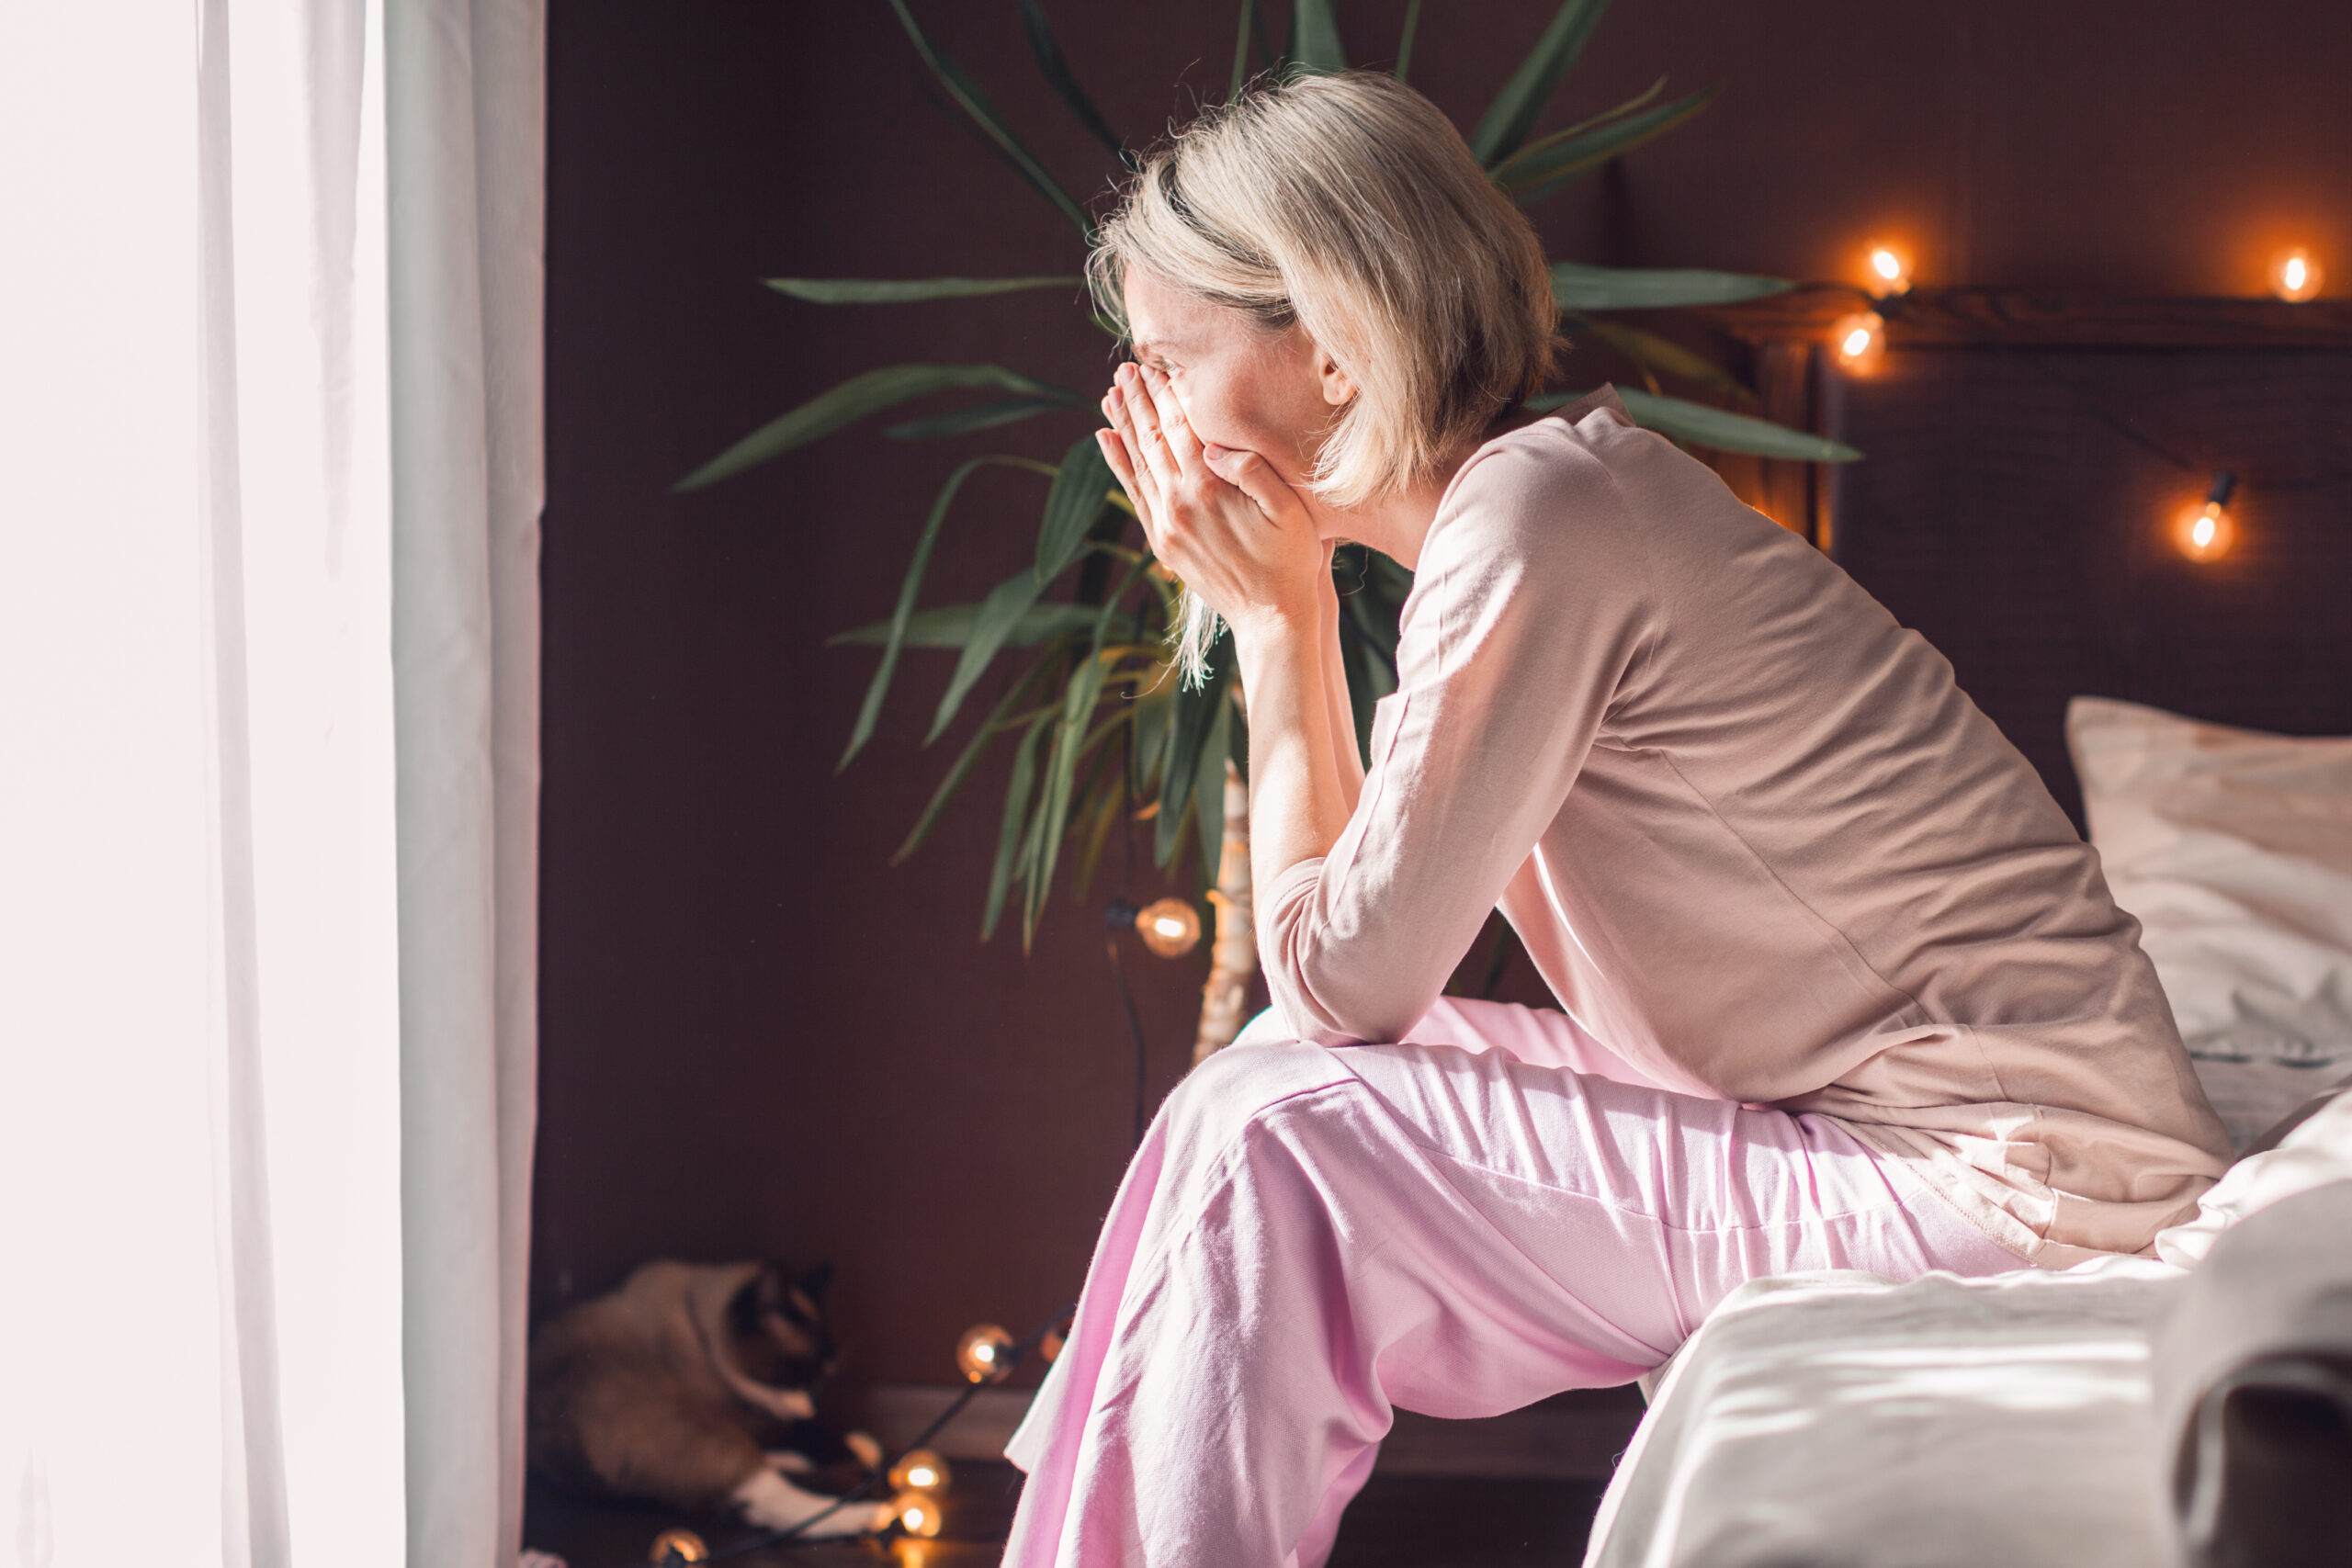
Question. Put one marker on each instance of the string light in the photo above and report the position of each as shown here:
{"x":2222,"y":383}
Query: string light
{"x":919,"y":1469}
{"x":984,"y":1353}
{"x":918,"y":1513}
{"x":676,"y":1547}
{"x":2296,"y":274}
{"x":1169,"y":927}
{"x":2206,"y":533}
{"x":1890,"y":271}
{"x":1050,"y":1346}
{"x":1859,"y":341}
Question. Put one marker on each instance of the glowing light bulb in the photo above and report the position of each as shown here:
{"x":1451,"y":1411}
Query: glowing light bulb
{"x":1859,"y":341}
{"x":2296,"y":274}
{"x":919,"y":1469}
{"x":1889,"y":270}
{"x":1050,"y":1346}
{"x":918,"y":1513}
{"x":985,"y":1353}
{"x":1169,"y":927}
{"x":912,"y":1551}
{"x":2206,"y":532}
{"x":678,"y":1546}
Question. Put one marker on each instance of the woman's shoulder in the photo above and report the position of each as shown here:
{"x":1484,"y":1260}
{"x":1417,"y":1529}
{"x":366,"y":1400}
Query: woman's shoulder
{"x":1547,"y":483}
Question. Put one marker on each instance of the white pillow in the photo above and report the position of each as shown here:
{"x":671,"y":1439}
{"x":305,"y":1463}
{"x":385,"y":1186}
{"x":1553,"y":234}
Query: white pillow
{"x":2316,"y":1153}
{"x":2234,"y":849}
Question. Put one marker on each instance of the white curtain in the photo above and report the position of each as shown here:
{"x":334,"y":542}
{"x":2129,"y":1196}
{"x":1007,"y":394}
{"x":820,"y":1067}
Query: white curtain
{"x":269,"y":490}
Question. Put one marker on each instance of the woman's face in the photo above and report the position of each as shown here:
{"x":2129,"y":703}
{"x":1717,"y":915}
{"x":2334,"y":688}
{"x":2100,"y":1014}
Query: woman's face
{"x":1241,"y":386}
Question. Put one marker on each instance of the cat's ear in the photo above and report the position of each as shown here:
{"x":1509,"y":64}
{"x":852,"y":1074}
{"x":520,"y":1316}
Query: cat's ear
{"x":771,"y":1286}
{"x":756,"y":1295}
{"x":815,"y":1281}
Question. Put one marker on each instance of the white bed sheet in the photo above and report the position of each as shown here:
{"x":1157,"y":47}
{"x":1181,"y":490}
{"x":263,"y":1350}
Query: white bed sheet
{"x":1838,"y":1418}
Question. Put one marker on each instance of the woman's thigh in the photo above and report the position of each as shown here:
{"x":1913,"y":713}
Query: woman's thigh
{"x":1543,"y":1037}
{"x":1466,"y":1188}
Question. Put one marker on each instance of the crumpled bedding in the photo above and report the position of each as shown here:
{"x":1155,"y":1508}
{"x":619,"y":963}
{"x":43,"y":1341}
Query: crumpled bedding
{"x":1835,"y":1418}
{"x":2024,"y":1420}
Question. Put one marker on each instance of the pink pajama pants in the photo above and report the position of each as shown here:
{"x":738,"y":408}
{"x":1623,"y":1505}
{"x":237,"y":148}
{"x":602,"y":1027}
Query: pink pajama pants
{"x":1462,"y":1225}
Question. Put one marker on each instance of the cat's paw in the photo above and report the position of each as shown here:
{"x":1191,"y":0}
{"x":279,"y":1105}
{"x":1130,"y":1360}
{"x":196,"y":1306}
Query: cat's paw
{"x":866,"y":1446}
{"x":788,"y":1462}
{"x":854,"y":1518}
{"x":771,"y":1501}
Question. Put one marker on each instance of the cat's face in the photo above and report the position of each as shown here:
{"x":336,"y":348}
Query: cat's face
{"x":776,"y":1323}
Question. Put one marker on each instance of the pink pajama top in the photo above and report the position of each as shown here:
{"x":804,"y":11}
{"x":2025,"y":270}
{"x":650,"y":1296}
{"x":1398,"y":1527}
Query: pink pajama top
{"x":1754,"y":838}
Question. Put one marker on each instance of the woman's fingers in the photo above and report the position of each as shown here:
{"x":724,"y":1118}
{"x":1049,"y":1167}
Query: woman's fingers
{"x":1168,"y":413}
{"x":1123,"y":469}
{"x":1151,"y":442}
{"x":1124,"y":448}
{"x":1255,"y":478}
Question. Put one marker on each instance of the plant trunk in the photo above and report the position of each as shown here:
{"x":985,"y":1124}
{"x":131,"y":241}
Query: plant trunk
{"x":1233,"y":957}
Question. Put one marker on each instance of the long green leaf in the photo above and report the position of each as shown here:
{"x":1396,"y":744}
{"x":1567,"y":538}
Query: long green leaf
{"x":853,"y":399}
{"x":1241,"y":48}
{"x":1196,"y":712}
{"x":1053,"y":809}
{"x":996,"y":723}
{"x":909,"y":290}
{"x":1405,"y":37}
{"x":1314,"y":44}
{"x":1080,"y":491}
{"x":1713,"y":427}
{"x":1521,"y":103}
{"x":979,"y":416}
{"x":1556,"y":165}
{"x":1155,"y":709}
{"x":894,"y":634}
{"x":1651,"y":351}
{"x":1107,"y":783}
{"x":1209,"y":792}
{"x":1579,"y":287}
{"x":974,"y":103}
{"x":1502,"y":171}
{"x":950,"y":625}
{"x":1078,"y":702}
{"x":1057,"y":72}
{"x":999,"y":612}
{"x":1017,"y":814}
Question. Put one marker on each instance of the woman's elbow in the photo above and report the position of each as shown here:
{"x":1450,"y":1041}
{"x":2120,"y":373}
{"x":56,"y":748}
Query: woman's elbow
{"x":1346,"y":1011}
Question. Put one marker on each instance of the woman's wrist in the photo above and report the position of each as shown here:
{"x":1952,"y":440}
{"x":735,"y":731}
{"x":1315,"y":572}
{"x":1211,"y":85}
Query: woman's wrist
{"x":1276,"y":623}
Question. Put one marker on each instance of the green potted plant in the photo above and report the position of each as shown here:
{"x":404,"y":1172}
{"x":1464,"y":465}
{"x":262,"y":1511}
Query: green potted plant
{"x":1098,"y":727}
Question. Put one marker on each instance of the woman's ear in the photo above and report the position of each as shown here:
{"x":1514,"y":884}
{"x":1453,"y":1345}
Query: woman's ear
{"x":1338,"y":388}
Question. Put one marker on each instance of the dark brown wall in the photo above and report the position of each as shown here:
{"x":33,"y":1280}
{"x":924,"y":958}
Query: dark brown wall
{"x":757,"y":1038}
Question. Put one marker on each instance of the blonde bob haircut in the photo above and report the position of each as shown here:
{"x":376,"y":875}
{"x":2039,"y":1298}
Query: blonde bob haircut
{"x":1348,"y":206}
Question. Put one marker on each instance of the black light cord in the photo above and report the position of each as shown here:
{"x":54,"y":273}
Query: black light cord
{"x":792,"y":1534}
{"x":1135,"y":1022}
{"x":2090,"y":403}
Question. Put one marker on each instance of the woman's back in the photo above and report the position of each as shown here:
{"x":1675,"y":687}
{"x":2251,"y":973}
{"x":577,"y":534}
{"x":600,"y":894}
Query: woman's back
{"x":1778,"y":856}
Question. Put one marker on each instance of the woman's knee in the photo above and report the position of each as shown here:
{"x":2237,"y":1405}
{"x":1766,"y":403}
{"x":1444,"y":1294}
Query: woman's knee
{"x":1266,"y":1029}
{"x":1218,"y":1100}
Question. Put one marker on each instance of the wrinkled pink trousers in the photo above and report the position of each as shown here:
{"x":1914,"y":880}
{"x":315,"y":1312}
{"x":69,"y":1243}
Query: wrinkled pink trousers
{"x":1462,"y":1225}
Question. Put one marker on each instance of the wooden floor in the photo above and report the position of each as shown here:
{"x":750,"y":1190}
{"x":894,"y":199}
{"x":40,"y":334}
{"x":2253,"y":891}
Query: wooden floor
{"x":1397,"y":1521}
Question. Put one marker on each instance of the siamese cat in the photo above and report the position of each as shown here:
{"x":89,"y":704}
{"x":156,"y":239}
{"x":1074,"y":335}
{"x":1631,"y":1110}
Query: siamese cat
{"x":693,"y":1385}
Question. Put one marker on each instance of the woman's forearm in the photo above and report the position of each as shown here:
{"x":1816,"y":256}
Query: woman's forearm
{"x":1298,"y":801}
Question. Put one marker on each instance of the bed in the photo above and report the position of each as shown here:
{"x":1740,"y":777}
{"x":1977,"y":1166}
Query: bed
{"x":2197,"y":1405}
{"x":2055,"y":1417}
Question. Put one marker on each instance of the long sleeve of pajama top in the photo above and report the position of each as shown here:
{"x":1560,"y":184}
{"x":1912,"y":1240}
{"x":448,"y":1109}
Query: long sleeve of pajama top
{"x":1754,"y":837}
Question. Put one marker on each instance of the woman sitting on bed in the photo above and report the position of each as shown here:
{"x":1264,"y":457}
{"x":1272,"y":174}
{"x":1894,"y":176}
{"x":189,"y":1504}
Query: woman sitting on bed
{"x":1843,"y":987}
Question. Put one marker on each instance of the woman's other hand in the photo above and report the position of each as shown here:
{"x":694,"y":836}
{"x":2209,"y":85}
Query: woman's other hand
{"x":1222,"y":520}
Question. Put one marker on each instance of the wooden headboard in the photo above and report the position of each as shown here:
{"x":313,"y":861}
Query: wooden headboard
{"x":2025,"y":456}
